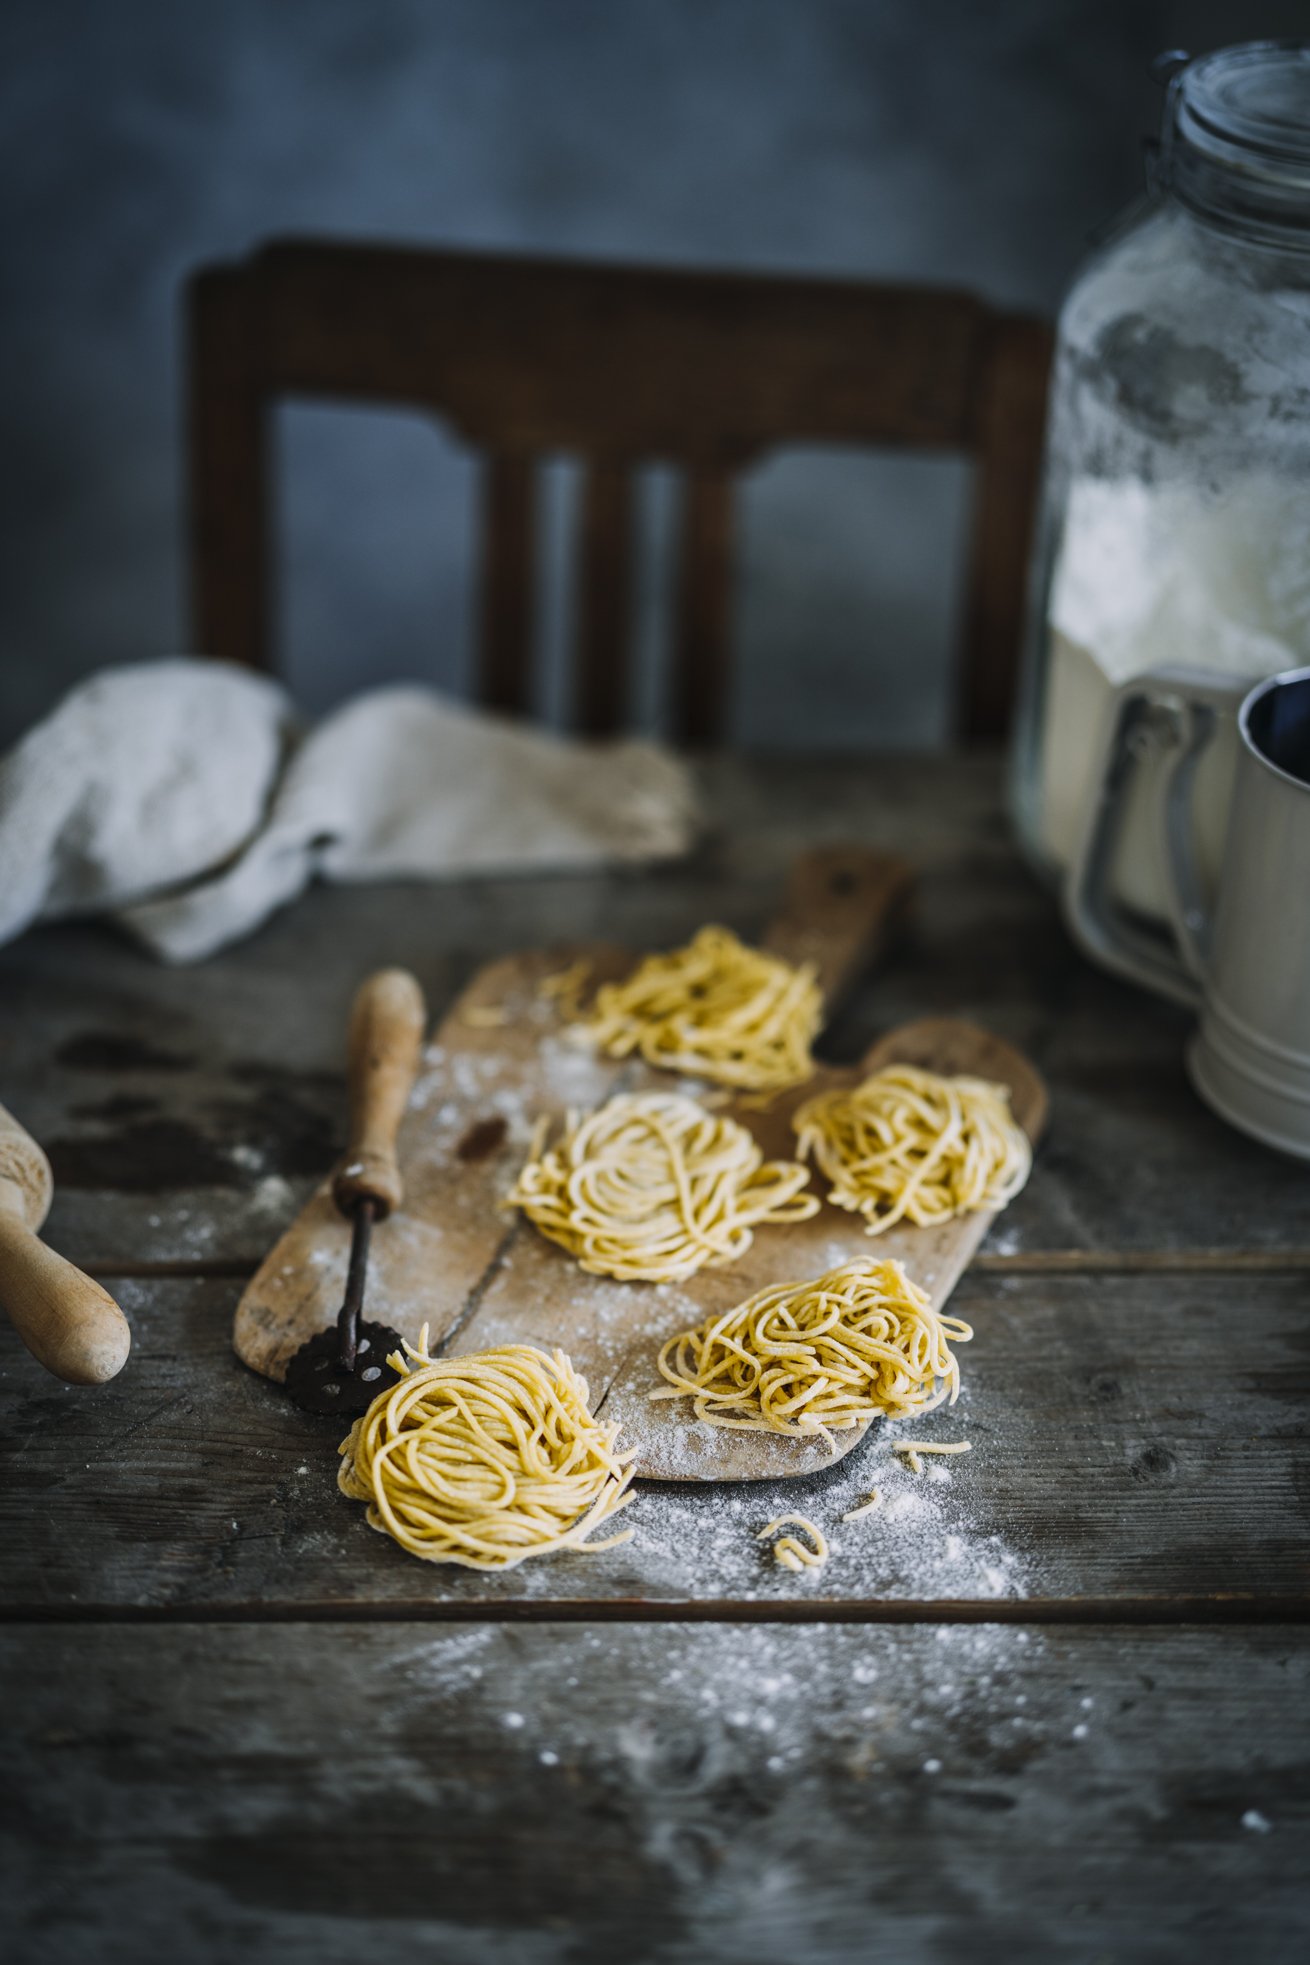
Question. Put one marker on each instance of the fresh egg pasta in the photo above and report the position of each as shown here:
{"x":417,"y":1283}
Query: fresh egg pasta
{"x":861,"y":1343}
{"x":714,"y":1009}
{"x":486,"y":1460}
{"x":908,"y":1145}
{"x":651,"y":1187}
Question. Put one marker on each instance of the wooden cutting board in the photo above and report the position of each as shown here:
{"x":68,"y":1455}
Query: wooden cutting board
{"x":454,"y":1259}
{"x":499,"y":1059}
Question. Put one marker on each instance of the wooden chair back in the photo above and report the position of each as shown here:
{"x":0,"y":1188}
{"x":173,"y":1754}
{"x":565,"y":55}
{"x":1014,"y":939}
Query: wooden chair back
{"x":618,"y":366}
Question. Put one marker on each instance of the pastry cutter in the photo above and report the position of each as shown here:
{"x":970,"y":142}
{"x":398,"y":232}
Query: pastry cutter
{"x":343,"y":1368}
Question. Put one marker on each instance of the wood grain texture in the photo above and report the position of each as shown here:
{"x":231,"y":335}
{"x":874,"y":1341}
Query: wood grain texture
{"x":575,"y":1795}
{"x":841,"y":908}
{"x":388,"y":1022}
{"x":67,"y":1321}
{"x":523,"y":357}
{"x":334,"y":1751}
{"x":1125,"y":1460}
{"x":190,"y":1114}
{"x":24,"y":1168}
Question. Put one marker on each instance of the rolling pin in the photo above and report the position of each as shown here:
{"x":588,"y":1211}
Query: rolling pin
{"x":68,"y":1322}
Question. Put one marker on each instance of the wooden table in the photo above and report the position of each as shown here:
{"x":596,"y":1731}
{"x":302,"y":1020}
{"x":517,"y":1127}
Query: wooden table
{"x":1051,"y":1705}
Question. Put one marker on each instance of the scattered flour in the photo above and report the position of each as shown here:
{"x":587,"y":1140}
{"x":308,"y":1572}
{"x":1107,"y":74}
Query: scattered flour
{"x":922,"y":1544}
{"x":701,"y":1699}
{"x":273,"y":1195}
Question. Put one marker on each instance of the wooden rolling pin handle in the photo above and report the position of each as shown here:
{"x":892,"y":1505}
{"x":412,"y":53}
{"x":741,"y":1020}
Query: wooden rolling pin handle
{"x":68,"y":1322}
{"x":386,"y":1041}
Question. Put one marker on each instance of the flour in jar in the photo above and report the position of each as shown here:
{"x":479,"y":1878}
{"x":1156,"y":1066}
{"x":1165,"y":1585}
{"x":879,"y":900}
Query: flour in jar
{"x":1166,"y":575}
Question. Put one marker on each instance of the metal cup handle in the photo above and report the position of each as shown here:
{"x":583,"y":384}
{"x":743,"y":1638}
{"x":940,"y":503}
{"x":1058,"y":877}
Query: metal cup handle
{"x":1171,"y":714}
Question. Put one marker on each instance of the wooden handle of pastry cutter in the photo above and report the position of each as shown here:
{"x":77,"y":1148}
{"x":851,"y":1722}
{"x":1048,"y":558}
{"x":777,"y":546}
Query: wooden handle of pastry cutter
{"x":387,"y":1023}
{"x":68,"y":1322}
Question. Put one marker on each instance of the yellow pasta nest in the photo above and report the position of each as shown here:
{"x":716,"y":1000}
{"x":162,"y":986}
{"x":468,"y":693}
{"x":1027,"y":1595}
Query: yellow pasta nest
{"x":651,"y":1188}
{"x":908,"y":1145}
{"x":818,"y":1357}
{"x":714,"y":1009}
{"x":486,"y":1460}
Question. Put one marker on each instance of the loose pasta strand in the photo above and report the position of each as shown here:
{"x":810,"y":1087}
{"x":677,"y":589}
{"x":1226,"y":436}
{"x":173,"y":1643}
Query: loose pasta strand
{"x":485,"y":1016}
{"x":910,"y":1451}
{"x":931,"y":1446}
{"x":909,"y":1145}
{"x":715,"y":1009}
{"x":566,"y":988}
{"x":651,"y":1187}
{"x":818,"y":1357}
{"x":486,"y":1460}
{"x":789,"y":1552}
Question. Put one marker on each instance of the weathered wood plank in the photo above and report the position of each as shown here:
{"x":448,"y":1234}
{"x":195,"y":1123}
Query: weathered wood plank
{"x":1137,"y":1443}
{"x":189,"y":1113}
{"x":577,"y":1794}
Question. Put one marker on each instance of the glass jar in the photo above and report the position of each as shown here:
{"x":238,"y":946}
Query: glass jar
{"x":1175,"y":519}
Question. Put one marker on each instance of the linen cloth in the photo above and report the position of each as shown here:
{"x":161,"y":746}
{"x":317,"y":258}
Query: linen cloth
{"x":184,"y":799}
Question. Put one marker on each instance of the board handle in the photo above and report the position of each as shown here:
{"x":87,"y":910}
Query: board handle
{"x":72,"y":1326}
{"x":387,"y":1021}
{"x":840,"y":906}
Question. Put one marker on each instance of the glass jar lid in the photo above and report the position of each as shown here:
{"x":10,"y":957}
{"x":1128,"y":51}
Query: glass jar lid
{"x":1237,"y":139}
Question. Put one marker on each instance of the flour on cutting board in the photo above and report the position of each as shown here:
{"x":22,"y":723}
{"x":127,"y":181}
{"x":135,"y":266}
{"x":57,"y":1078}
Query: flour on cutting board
{"x":455,"y":1086}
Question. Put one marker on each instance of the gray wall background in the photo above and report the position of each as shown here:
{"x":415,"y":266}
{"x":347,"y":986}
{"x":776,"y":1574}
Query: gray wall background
{"x":949,"y":140}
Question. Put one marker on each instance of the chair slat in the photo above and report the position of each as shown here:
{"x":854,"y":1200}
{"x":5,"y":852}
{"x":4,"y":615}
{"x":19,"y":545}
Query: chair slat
{"x":617,"y":366}
{"x":700,"y":656}
{"x":508,"y":584}
{"x":228,"y":472}
{"x":604,"y":599}
{"x":1011,"y":416}
{"x":607,"y":360}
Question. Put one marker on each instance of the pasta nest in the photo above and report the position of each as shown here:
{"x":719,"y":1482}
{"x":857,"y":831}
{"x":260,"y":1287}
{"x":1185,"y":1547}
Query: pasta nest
{"x":651,"y":1188}
{"x":486,"y":1460}
{"x":908,"y":1145}
{"x":714,"y":1009}
{"x":819,"y":1357}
